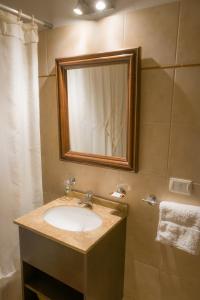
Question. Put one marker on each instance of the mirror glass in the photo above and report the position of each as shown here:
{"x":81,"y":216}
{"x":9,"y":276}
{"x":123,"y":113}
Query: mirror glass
{"x":97,"y":108}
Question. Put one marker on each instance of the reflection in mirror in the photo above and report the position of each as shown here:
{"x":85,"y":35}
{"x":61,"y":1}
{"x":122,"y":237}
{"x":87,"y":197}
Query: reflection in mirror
{"x":97,"y":107}
{"x":98,"y":97}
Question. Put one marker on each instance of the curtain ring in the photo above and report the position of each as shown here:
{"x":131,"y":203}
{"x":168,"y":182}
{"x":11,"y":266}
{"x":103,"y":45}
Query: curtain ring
{"x":19,"y":15}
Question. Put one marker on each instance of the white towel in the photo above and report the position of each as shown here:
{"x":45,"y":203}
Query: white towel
{"x":179,"y":226}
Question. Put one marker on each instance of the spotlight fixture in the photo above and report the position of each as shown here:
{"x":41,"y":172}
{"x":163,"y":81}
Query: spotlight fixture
{"x":92,"y":7}
{"x":77,"y":11}
{"x":80,"y":8}
{"x":100,"y":5}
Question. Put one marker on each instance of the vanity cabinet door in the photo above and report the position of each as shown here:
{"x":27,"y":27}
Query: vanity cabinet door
{"x":60,"y":262}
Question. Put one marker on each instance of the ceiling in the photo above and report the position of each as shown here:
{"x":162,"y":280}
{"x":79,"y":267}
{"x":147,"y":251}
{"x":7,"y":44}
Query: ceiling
{"x":59,"y":12}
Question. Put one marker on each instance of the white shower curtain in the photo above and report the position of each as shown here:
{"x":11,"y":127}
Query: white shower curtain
{"x":20,"y":163}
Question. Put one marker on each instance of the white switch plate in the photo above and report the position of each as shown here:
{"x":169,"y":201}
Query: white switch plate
{"x":180,"y":186}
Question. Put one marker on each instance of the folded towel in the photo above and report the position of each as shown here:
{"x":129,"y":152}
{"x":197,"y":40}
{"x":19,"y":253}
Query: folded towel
{"x":179,"y":226}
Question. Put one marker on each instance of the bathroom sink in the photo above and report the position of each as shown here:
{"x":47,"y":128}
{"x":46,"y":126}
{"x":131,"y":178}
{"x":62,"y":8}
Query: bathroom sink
{"x":72,"y":218}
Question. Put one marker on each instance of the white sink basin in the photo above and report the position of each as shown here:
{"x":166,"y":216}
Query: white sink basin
{"x":72,"y":218}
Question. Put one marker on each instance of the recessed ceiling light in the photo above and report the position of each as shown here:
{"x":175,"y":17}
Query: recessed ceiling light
{"x":81,"y":8}
{"x":100,"y":5}
{"x":77,"y":11}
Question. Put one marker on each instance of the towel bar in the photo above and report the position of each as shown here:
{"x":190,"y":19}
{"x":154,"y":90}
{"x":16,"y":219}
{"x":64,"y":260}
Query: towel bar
{"x":151,"y":200}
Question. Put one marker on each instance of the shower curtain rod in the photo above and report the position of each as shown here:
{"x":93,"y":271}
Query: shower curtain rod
{"x":25,"y":16}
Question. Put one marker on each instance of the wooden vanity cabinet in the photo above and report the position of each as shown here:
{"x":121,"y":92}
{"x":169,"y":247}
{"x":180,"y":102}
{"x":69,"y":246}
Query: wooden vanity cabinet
{"x":59,"y":272}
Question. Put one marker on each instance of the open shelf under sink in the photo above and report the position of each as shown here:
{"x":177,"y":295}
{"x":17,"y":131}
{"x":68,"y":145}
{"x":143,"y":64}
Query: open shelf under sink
{"x":40,"y":283}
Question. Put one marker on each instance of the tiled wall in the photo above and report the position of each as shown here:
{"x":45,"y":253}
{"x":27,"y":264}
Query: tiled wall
{"x":169,"y":134}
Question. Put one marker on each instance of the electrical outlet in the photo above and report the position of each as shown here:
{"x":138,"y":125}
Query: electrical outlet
{"x":180,"y":186}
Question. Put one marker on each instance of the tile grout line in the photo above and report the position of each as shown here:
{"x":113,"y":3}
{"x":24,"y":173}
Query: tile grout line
{"x":178,"y":33}
{"x":144,"y":123}
{"x":173,"y":94}
{"x":175,"y":66}
{"x":124,"y":26}
{"x":47,"y":52}
{"x":170,"y":124}
{"x":149,"y":68}
{"x":49,"y":75}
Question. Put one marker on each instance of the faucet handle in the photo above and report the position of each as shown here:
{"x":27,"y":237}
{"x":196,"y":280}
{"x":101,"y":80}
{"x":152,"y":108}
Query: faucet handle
{"x":68,"y":185}
{"x":70,"y":181}
{"x":89,"y":195}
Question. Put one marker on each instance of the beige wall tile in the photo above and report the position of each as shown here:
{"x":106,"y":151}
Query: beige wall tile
{"x":189,"y":32}
{"x":102,"y":180}
{"x":130,"y":291}
{"x":143,"y":219}
{"x":109,"y":33}
{"x":170,"y":287}
{"x":49,"y":134}
{"x":42,"y":53}
{"x":184,"y":159}
{"x":141,"y":233}
{"x":87,"y":178}
{"x":153,"y":150}
{"x":179,"y":263}
{"x":155,"y":30}
{"x":156,"y":95}
{"x":147,"y":279}
{"x":176,"y":287}
{"x":139,"y":185}
{"x":128,"y":298}
{"x":73,"y":39}
{"x":186,"y":104}
{"x":190,"y":289}
{"x":48,"y":113}
{"x":11,"y":289}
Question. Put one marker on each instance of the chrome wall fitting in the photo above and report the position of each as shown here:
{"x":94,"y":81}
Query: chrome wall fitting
{"x":151,"y":200}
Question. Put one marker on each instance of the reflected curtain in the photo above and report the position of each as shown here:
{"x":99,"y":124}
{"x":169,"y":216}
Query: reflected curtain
{"x":97,"y":100}
{"x":20,"y":162}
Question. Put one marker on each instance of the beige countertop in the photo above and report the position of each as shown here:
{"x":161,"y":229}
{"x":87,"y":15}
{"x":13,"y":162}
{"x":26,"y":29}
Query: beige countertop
{"x":111,"y":213}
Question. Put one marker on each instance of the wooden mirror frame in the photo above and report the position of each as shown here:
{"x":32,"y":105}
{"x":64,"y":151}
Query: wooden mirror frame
{"x":132,"y":57}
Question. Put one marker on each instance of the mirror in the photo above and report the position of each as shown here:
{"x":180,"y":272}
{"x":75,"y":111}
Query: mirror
{"x":98,"y":108}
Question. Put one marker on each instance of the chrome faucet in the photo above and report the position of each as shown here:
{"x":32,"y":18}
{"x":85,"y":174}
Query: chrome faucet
{"x":87,"y":199}
{"x":68,"y":185}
